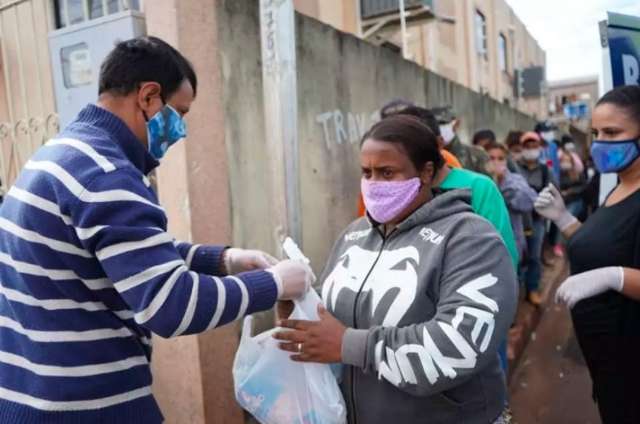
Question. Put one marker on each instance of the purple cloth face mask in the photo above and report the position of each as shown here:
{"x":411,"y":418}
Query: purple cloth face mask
{"x":385,"y":200}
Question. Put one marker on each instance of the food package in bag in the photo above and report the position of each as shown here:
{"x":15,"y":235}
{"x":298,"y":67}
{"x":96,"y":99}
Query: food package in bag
{"x":277,"y":390}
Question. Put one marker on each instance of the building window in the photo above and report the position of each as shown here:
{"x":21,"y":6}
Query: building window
{"x":71,"y":12}
{"x":481,"y":34}
{"x":502,"y":53}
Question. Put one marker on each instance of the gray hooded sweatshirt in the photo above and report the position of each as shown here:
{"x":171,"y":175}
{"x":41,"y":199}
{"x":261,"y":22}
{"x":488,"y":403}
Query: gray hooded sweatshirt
{"x":426,"y":307}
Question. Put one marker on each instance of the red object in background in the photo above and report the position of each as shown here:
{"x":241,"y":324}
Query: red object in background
{"x":549,"y":164}
{"x":361,"y":209}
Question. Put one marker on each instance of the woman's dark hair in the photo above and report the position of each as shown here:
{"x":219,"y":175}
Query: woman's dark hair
{"x":484,"y":135}
{"x":415,"y":137}
{"x":513,"y":138}
{"x":496,"y":145}
{"x":144,"y":59}
{"x":626,"y":97}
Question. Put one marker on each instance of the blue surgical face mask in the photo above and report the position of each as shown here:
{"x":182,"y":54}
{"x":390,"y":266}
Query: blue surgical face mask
{"x":614,"y":156}
{"x":164,"y":129}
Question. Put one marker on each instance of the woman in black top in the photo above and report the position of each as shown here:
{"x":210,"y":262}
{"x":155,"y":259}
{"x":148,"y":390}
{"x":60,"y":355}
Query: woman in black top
{"x":603,"y":290}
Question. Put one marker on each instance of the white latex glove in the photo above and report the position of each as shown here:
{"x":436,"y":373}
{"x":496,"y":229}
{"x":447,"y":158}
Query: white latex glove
{"x":240,"y":260}
{"x":549,"y":204}
{"x":590,"y":283}
{"x":293,"y":279}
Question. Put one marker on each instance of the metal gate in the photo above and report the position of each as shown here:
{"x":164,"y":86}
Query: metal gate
{"x":27,"y":108}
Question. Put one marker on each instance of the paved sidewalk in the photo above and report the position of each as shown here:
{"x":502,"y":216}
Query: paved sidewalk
{"x":551,"y":384}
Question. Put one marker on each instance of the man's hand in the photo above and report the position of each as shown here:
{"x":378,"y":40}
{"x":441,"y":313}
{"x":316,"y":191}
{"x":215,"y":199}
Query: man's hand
{"x":293,"y":278}
{"x":241,"y":260}
{"x":313,"y":341}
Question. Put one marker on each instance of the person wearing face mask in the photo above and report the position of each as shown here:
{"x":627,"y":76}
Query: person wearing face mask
{"x":514,"y":150}
{"x":483,"y":138}
{"x":418,"y":294}
{"x":603,"y":291}
{"x":515,"y":190}
{"x":549,"y":146}
{"x":87,"y":269}
{"x":471,"y":157}
{"x":538,"y":177}
{"x":404,"y":106}
{"x":568,"y":146}
{"x":486,"y":199}
{"x":572,"y":182}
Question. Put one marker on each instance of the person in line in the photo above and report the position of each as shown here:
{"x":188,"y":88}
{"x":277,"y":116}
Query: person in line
{"x":572,"y":186}
{"x":603,"y":291}
{"x":418,"y":294}
{"x":471,"y":157}
{"x":486,"y":201}
{"x":567,"y":144}
{"x":397,"y":106}
{"x":549,"y":146}
{"x":538,"y":177}
{"x":515,"y":190}
{"x":514,"y":150}
{"x":483,"y":138}
{"x":87,"y":269}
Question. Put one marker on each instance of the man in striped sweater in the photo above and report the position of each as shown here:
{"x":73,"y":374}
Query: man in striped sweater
{"x":87,"y":270}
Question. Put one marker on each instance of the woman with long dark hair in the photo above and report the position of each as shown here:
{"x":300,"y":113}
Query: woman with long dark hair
{"x":419,"y":294}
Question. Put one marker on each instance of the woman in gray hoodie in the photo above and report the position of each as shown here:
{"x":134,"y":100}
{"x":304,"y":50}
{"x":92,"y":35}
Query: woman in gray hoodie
{"x":418,"y":294}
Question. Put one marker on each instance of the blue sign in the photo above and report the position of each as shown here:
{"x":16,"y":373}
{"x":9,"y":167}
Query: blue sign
{"x":624,"y":49}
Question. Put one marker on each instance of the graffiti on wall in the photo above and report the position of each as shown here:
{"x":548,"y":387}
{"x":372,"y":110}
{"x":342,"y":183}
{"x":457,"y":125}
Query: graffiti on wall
{"x":340,"y":127}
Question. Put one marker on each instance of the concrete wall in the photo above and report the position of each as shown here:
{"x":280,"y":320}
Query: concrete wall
{"x":342,"y":82}
{"x":215,"y":187}
{"x":449,"y":49}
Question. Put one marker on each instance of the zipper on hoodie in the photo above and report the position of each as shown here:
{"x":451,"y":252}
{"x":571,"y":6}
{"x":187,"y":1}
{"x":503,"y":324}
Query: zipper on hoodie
{"x":352,"y":400}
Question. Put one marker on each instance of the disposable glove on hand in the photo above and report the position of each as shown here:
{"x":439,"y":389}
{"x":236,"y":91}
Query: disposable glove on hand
{"x":588,"y":284}
{"x":241,"y":260}
{"x":293,"y":279}
{"x":549,"y":204}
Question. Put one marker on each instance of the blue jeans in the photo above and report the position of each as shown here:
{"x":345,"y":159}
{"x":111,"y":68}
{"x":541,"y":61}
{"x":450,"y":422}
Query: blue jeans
{"x":533,"y":270}
{"x":575,"y":207}
{"x":502,"y":353}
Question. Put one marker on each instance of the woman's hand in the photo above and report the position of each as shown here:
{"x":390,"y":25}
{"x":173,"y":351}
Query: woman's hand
{"x":590,"y":283}
{"x":313,"y":341}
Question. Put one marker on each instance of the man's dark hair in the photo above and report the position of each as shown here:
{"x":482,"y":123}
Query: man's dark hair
{"x":484,"y":135}
{"x":394,"y":106}
{"x":626,"y":97}
{"x":424,"y":115}
{"x":145,"y":59}
{"x":513,"y":138}
{"x":565,"y":139}
{"x":416,"y":138}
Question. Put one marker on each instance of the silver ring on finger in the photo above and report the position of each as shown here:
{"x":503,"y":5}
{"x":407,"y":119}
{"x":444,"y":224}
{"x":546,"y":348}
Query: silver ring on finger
{"x":299,"y":347}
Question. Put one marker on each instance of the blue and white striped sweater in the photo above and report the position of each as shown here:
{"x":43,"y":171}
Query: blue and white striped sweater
{"x":87,"y":272}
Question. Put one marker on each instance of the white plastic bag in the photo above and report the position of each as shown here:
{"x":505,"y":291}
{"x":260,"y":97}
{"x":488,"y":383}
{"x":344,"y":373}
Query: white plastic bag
{"x":277,"y":390}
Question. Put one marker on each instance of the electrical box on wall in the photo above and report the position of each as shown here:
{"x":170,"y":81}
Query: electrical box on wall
{"x":77,"y":52}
